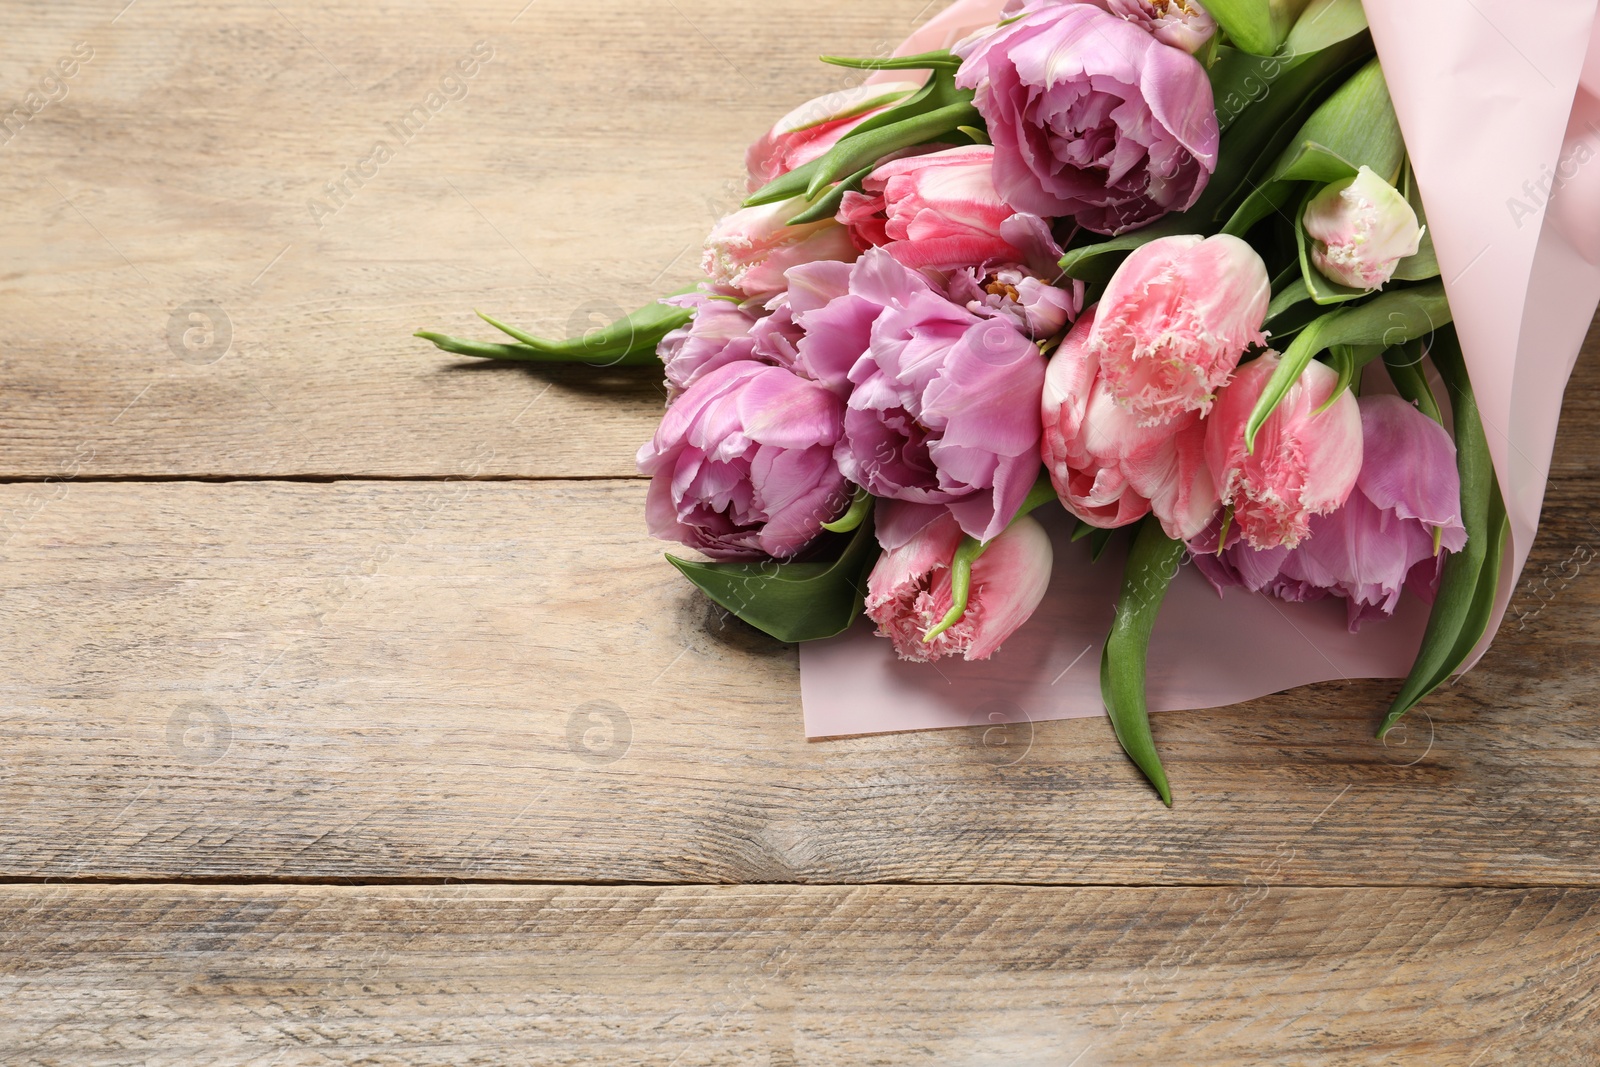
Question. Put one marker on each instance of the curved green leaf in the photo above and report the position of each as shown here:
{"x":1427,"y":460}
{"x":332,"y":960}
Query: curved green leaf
{"x":1152,"y":564}
{"x":792,"y":602}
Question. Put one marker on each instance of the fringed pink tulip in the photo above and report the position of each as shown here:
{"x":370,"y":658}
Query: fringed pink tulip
{"x":939,"y":210}
{"x":1108,"y":468}
{"x":742,"y":465}
{"x":810,"y":130}
{"x":1381,"y":542}
{"x":750,"y":250}
{"x":1091,"y":116}
{"x":1304,"y":464}
{"x":910,"y":590}
{"x":1176,"y":319}
{"x":1361,"y":228}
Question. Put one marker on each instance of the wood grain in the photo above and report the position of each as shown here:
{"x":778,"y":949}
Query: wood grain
{"x":504,"y":681}
{"x":179,"y":168}
{"x":752,"y":975}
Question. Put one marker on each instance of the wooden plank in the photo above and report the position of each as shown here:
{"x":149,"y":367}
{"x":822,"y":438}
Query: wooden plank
{"x":157,"y":975}
{"x":504,"y":681}
{"x":576,"y":177}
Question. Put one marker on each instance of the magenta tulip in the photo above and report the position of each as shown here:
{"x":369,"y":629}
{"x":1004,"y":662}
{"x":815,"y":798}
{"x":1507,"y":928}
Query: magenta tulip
{"x":1304,"y":463}
{"x":1381,"y":541}
{"x":910,"y":591}
{"x":1176,"y":319}
{"x":742,"y":465}
{"x":942,"y":402}
{"x":1108,"y":468}
{"x":1092,"y":117}
{"x":810,"y":130}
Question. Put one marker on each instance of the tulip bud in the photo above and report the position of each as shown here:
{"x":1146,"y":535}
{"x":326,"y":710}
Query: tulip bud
{"x":1176,"y":319}
{"x":752,"y":248}
{"x":1305,"y":462}
{"x":1180,"y":23}
{"x":810,"y":130}
{"x":911,"y":590}
{"x":1361,"y":228}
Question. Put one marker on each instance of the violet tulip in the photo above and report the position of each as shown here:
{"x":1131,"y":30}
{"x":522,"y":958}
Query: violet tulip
{"x":1092,"y":117}
{"x":742,"y":464}
{"x":752,"y":248}
{"x":1381,"y":542}
{"x":1305,"y":463}
{"x":910,"y":590}
{"x":810,"y":130}
{"x":939,"y":210}
{"x":1361,"y":228}
{"x":942,"y":403}
{"x":1108,"y":468}
{"x":1176,"y":319}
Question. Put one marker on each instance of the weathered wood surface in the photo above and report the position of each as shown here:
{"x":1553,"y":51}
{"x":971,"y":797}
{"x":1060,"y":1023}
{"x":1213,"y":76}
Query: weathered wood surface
{"x":407,"y":677}
{"x":576,"y":177}
{"x":502,"y":680}
{"x":751,"y":975}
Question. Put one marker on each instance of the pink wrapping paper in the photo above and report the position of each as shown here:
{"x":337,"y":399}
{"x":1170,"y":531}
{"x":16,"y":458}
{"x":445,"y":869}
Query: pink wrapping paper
{"x":1500,"y":104}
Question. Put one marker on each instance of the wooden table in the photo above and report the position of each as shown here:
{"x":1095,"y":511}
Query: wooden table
{"x":349,"y":716}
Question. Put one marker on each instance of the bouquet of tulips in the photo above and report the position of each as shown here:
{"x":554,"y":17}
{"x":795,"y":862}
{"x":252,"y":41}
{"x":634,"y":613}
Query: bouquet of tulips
{"x":1162,"y":265}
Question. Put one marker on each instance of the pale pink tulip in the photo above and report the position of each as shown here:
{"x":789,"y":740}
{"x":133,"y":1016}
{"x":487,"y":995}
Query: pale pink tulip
{"x":1361,"y":228}
{"x":1176,"y":319}
{"x":909,"y":592}
{"x":810,"y":130}
{"x":751,"y":249}
{"x":1381,"y":542}
{"x":939,"y":210}
{"x":1107,"y":467}
{"x":1304,"y":463}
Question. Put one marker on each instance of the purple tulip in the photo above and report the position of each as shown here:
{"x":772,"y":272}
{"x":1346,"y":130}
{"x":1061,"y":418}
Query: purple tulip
{"x":1091,"y":116}
{"x":742,"y":466}
{"x":1381,"y":541}
{"x":943,"y":403}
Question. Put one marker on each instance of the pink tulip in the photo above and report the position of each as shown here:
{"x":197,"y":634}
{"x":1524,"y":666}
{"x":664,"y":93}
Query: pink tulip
{"x":1180,"y":23}
{"x":1381,"y":541}
{"x":909,"y":592}
{"x":724,"y":330}
{"x":1361,"y":228}
{"x":1107,"y":467}
{"x":939,"y":210}
{"x":751,"y":249}
{"x":1092,"y":118}
{"x":1304,"y":464}
{"x":742,"y":465}
{"x":810,"y":130}
{"x":1176,"y":319}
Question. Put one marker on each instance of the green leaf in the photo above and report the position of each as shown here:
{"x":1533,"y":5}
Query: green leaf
{"x":1425,"y":264}
{"x":924,"y":61}
{"x":1152,"y":564}
{"x":1098,"y":262}
{"x":631,"y":341}
{"x":855,"y":152}
{"x":1389,"y":319}
{"x":828,"y":206}
{"x":1404,"y":364}
{"x":792,"y":602}
{"x":1257,"y":26}
{"x":1325,"y":23}
{"x":1465,"y":602}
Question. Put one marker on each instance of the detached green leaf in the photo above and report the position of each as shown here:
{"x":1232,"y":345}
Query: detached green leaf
{"x":1152,"y":564}
{"x":792,"y":602}
{"x":1388,"y":319}
{"x":631,"y":341}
